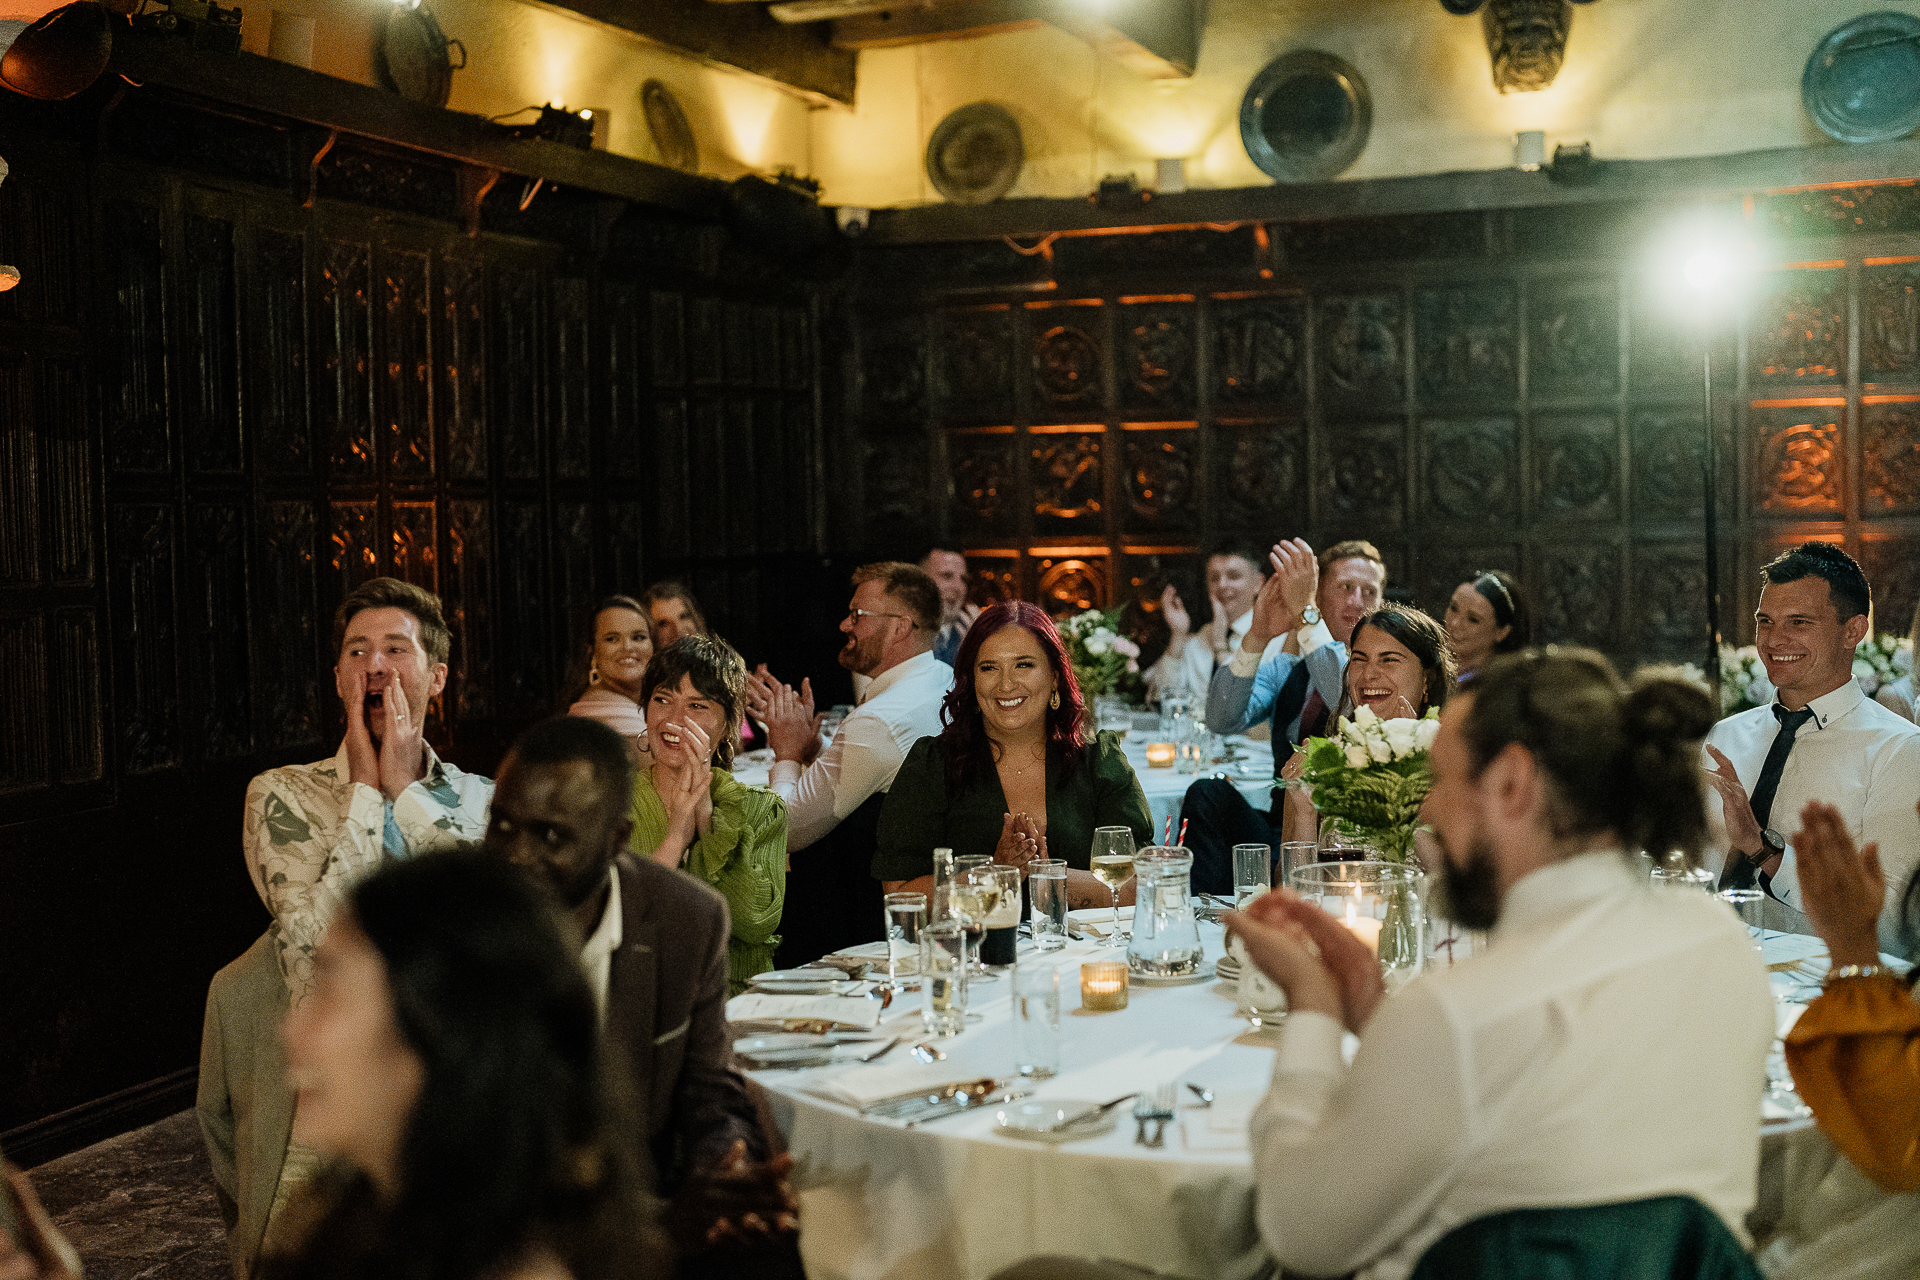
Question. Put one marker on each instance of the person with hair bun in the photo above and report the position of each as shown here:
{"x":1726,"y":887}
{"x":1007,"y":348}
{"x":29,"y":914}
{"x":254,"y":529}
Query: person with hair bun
{"x":1487,"y":616}
{"x":1485,"y":1099}
{"x":1014,"y":773}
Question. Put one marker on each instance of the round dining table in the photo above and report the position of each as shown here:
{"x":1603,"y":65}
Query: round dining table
{"x":953,"y":1198}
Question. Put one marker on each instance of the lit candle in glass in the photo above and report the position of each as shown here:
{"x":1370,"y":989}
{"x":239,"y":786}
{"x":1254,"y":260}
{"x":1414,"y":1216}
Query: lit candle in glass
{"x":1365,"y":928}
{"x":1103,"y":985}
{"x":1160,"y":755}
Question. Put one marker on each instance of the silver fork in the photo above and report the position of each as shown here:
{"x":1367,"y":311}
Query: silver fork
{"x":1160,"y":1111}
{"x":1142,"y":1112}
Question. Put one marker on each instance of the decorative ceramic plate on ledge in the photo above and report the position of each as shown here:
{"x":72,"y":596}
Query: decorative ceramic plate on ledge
{"x":1306,"y":116}
{"x":1862,"y":83}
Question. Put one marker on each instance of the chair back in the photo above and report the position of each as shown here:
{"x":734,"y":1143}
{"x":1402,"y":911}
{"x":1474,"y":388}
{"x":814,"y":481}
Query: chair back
{"x":1665,"y":1238}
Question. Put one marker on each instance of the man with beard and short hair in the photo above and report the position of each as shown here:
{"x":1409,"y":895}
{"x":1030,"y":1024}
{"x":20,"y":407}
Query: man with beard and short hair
{"x":948,"y":569}
{"x":656,"y":961}
{"x":1475,"y":1094}
{"x":310,"y":833}
{"x":834,"y":793}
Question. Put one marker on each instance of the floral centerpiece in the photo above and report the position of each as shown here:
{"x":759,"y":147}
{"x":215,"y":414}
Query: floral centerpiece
{"x":1104,"y":660}
{"x":1879,"y":661}
{"x":1371,"y":777}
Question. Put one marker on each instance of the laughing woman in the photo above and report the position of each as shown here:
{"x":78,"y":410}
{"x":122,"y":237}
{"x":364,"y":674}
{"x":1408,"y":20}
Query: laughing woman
{"x":1014,"y":774}
{"x":608,"y":668}
{"x":690,"y":814}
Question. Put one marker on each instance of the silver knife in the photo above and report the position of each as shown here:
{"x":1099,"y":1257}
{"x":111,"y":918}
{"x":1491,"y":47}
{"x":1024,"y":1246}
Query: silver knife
{"x":965,"y":1102}
{"x":1085,"y":1113}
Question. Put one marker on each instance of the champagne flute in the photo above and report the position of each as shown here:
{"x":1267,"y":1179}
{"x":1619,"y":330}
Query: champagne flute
{"x":1112,"y":862}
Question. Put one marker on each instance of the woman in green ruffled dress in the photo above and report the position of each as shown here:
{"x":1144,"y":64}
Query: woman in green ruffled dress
{"x":689,"y":814}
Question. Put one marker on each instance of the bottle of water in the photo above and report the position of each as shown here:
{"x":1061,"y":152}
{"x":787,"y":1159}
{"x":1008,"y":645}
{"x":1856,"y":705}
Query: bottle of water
{"x":939,"y":905}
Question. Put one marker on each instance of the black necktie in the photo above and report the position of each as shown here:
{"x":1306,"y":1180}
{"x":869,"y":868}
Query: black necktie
{"x":1738,"y":873}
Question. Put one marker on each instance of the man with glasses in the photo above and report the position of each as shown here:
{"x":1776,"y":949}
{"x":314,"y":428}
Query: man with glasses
{"x":834,"y":790}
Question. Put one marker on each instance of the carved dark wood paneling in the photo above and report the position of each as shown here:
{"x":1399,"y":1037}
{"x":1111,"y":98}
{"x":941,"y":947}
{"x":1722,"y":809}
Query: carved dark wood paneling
{"x":1067,"y":481}
{"x":416,"y":544}
{"x":1667,"y":602}
{"x":1892,"y":566}
{"x":1576,"y":469}
{"x":1163,"y":479}
{"x":626,"y":546}
{"x":1065,"y":361}
{"x":468,"y":597}
{"x":76,"y":726}
{"x":1360,"y":347}
{"x":1577,"y":600}
{"x":1573,"y":338}
{"x":209,"y":358}
{"x":1342,"y":242}
{"x":573,"y":576}
{"x":1075,"y":584}
{"x":140,"y":433}
{"x":1668,"y":446}
{"x":40,"y":222}
{"x":626,"y":384}
{"x":148,"y":690}
{"x":1466,"y":341}
{"x":707,"y":456}
{"x":1890,"y":323}
{"x":766,"y":348}
{"x":288,"y":632}
{"x":1366,"y":481}
{"x":672,"y":502}
{"x":1259,"y":350}
{"x":1260,"y":472}
{"x":796,"y":349}
{"x":737,"y":324}
{"x":1443,"y":566}
{"x":1180,"y":253}
{"x":1890,"y":457}
{"x":214,"y":605}
{"x":275,"y":342}
{"x":739,"y":448}
{"x":24,"y":760}
{"x":1798,"y":462}
{"x":1665,"y":347}
{"x":19,"y":483}
{"x":520,"y":378}
{"x":668,"y":330}
{"x":526,"y":674}
{"x":355,"y":550}
{"x":706,"y":341}
{"x":1472,"y":471}
{"x":404,"y":387}
{"x":572,"y":382}
{"x":343,"y":399}
{"x":66,"y":439}
{"x":973,"y":366}
{"x":1799,"y":330}
{"x":462,"y":357}
{"x":893,"y":371}
{"x":1159,"y":358}
{"x":895,"y":471}
{"x":1841,"y":210}
{"x":985,"y":484}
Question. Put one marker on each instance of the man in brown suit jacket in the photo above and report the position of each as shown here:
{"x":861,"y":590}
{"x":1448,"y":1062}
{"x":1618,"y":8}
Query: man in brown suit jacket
{"x":656,"y":958}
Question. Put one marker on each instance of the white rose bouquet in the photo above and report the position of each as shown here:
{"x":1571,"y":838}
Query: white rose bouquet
{"x":1371,"y":777}
{"x":1104,"y":659}
{"x":1880,"y":660}
{"x":1743,"y":680}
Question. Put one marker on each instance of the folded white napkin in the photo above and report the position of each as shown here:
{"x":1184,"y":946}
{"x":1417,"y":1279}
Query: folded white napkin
{"x":1142,"y":1067}
{"x":1223,"y":1126}
{"x":854,"y":1011}
{"x":863,"y":1086}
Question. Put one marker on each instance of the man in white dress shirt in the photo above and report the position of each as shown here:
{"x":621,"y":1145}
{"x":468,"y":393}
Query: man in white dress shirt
{"x":1821,"y":739}
{"x":1608,"y":1046}
{"x":834,"y":793}
{"x":1235,"y":573}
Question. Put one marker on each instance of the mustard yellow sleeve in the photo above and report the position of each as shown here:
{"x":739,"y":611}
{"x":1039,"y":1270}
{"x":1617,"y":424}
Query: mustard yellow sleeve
{"x":1855,"y":1057}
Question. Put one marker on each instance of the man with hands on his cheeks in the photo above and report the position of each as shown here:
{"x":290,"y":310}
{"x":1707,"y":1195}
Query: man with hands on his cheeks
{"x":1475,"y":1089}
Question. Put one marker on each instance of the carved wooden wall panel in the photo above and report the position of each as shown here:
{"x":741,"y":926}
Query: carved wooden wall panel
{"x":974,"y":365}
{"x":985,"y":496}
{"x":468,"y":598}
{"x":1260,"y":476}
{"x":1578,"y":597}
{"x":1890,"y":323}
{"x":462,"y":361}
{"x":626,"y":382}
{"x":404,"y":387}
{"x":139,"y":421}
{"x":1159,"y":359}
{"x":210,"y":400}
{"x":1799,"y":331}
{"x":1067,"y":372}
{"x":24,"y":758}
{"x":1798,"y":463}
{"x":275,"y":346}
{"x":19,"y":482}
{"x":1069,"y":481}
{"x":1668,"y":586}
{"x":1573,"y":338}
{"x":1465,"y":342}
{"x":216,"y":649}
{"x":284,"y":588}
{"x":143,"y":538}
{"x":66,"y":441}
{"x":76,"y":721}
{"x":572,"y":380}
{"x":893,"y":371}
{"x":1473,"y":471}
{"x":1162,"y":480}
{"x":1362,"y":348}
{"x":1576,"y":469}
{"x":1366,"y":476}
{"x":1892,"y":566}
{"x":344,"y":368}
{"x":1259,"y":350}
{"x":1890,"y":457}
{"x":1668,"y":447}
{"x":520,"y":315}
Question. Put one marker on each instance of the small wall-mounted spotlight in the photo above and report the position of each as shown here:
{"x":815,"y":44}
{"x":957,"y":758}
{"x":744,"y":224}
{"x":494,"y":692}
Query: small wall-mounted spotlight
{"x":1530,"y":150}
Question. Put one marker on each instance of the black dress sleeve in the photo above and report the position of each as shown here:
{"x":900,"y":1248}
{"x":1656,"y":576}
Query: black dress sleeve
{"x":914,"y":818}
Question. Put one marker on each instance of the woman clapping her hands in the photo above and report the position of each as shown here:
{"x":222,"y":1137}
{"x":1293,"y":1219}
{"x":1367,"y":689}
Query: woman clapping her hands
{"x":689,"y":814}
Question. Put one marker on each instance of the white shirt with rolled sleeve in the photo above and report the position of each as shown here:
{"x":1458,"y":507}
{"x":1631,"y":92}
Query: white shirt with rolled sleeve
{"x":1596,"y":1052}
{"x":897,"y":708}
{"x":1856,"y":756}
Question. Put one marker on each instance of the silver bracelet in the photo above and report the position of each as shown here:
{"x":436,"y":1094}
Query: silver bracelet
{"x":1846,"y":971}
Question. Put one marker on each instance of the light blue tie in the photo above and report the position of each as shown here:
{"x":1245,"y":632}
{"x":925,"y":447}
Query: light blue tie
{"x":391,"y":839}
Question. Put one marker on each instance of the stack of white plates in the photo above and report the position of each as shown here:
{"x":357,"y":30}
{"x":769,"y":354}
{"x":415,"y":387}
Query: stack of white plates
{"x":801,"y":982}
{"x":1227,"y":967}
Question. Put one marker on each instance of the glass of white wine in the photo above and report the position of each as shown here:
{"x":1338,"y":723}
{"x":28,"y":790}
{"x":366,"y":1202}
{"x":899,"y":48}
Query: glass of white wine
{"x":1112,"y":862}
{"x":975,"y":894}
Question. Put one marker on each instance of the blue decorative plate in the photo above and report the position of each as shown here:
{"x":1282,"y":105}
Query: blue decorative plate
{"x":1862,"y":83}
{"x":1306,"y":116}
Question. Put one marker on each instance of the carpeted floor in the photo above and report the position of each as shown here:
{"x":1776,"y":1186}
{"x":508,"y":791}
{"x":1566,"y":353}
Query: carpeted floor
{"x":140,"y":1206}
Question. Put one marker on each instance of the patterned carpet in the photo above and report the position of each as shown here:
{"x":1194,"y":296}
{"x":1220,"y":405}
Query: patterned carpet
{"x":140,"y":1206}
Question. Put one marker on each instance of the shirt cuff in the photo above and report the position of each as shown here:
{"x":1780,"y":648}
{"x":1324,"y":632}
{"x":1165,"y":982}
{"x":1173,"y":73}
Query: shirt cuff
{"x":784,"y":773}
{"x":1309,"y":1045}
{"x":1244,"y":665}
{"x":1784,"y":884}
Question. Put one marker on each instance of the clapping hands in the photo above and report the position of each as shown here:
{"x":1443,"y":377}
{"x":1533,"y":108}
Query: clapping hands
{"x":1322,"y":967}
{"x":1840,"y":890}
{"x":1021,"y":841}
{"x":736,"y":1202}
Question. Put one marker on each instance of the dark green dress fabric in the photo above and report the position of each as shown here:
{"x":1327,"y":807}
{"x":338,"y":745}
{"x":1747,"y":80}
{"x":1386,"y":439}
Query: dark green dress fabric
{"x":1666,"y":1238}
{"x":920,"y":814}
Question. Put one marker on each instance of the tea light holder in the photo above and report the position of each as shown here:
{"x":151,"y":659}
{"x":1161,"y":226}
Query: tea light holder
{"x":1103,"y":986}
{"x":1381,"y":903}
{"x":1160,"y":755}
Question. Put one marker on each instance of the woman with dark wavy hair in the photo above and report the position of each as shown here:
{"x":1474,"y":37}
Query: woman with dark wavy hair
{"x":1014,"y":773}
{"x":449,"y":1060}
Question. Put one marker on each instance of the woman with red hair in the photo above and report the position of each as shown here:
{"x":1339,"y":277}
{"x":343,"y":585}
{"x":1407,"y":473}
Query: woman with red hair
{"x":1014,"y":773}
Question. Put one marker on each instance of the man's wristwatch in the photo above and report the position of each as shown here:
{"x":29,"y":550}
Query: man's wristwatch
{"x":1309,"y":615}
{"x":1771,"y":844}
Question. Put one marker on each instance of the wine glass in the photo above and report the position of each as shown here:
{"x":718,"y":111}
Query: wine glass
{"x":1112,"y":862}
{"x":975,"y":894}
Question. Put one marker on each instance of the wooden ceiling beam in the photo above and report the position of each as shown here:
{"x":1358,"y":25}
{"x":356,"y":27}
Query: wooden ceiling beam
{"x":739,"y":35}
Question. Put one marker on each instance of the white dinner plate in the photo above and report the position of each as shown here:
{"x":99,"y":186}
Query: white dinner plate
{"x":1028,"y":1117}
{"x":778,"y":1042}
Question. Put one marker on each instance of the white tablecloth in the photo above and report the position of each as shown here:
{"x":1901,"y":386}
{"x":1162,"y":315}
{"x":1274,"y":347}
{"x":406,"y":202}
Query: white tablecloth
{"x":951,"y":1200}
{"x":1251,"y":772}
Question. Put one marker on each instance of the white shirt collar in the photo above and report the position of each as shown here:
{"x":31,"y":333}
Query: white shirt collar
{"x":597,"y":955}
{"x":1551,"y":892}
{"x":1830,"y":706}
{"x":894,"y":674}
{"x":1238,"y":627}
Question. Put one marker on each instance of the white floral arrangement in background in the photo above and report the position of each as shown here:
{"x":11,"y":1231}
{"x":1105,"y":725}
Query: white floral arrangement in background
{"x":1372,"y":775}
{"x":1878,"y":662}
{"x":1882,"y":659}
{"x":1104,"y":660}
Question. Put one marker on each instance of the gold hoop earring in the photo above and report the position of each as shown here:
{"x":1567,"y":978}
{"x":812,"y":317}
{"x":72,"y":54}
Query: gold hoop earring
{"x":1054,"y":701}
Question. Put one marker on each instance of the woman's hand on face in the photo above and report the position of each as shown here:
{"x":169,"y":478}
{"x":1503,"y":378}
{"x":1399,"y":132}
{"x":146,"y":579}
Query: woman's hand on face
{"x":1399,"y":709}
{"x":688,"y":799}
{"x":1840,"y":890}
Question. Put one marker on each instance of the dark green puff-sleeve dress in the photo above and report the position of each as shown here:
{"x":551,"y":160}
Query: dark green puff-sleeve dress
{"x":920,"y":813}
